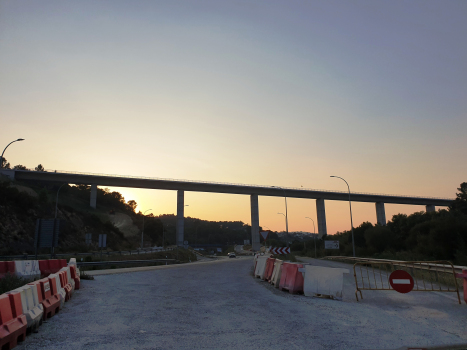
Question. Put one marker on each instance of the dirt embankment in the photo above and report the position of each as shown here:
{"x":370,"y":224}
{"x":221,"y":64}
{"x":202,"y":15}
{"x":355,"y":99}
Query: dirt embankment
{"x":124,"y":223}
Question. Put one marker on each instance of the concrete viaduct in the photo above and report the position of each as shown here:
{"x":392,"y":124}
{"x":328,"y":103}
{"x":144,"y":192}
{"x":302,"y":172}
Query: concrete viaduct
{"x":253,"y":191}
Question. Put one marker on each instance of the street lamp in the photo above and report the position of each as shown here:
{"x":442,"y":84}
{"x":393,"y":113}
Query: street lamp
{"x":351,"y":221}
{"x":56,"y":199}
{"x":1,"y":158}
{"x":286,"y":220}
{"x":314,"y":232}
{"x":287,"y":236}
{"x":142,"y":231}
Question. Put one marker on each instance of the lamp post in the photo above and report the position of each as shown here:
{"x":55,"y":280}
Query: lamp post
{"x":314,"y":232}
{"x":1,"y":158}
{"x":287,"y":236}
{"x":286,"y":219}
{"x":351,"y":221}
{"x":56,"y":199}
{"x":142,"y":231}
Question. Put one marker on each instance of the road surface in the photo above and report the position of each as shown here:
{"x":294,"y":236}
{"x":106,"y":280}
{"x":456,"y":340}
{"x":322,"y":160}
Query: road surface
{"x":220,"y":305}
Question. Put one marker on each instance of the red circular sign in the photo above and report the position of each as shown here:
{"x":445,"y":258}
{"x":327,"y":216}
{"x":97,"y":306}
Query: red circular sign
{"x":401,"y":281}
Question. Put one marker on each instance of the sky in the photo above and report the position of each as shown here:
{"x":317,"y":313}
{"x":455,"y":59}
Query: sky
{"x":280,"y":93}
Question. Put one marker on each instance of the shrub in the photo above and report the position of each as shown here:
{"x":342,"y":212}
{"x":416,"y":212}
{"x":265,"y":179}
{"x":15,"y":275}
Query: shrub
{"x":10,"y":282}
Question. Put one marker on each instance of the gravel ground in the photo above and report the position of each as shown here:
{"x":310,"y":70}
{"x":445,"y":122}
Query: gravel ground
{"x":219,"y":305}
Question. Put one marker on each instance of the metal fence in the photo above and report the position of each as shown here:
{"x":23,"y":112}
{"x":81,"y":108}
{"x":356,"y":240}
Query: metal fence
{"x":428,"y":276}
{"x":353,"y":260}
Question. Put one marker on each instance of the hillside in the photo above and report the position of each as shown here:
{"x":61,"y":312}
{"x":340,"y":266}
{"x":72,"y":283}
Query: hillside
{"x":22,"y":203}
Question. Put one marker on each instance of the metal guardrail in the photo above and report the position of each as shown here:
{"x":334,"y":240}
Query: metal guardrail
{"x":427,"y":277}
{"x":227,"y":183}
{"x":424,"y":265}
{"x":124,"y":262}
{"x":93,"y":253}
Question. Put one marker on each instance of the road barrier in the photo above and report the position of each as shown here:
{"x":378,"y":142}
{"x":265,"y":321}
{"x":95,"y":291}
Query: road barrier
{"x":48,"y":267}
{"x":13,"y":323}
{"x":261,"y":266}
{"x":23,"y":310}
{"x":419,"y":276}
{"x":463,"y":275}
{"x":56,"y":288}
{"x":30,"y":305}
{"x":276,"y":273}
{"x":291,"y":279}
{"x":51,"y":303}
{"x":65,"y":285}
{"x":69,"y":279}
{"x":323,"y":281}
{"x":269,"y":269}
{"x":27,"y":269}
{"x":75,"y":276}
{"x":6,"y":267}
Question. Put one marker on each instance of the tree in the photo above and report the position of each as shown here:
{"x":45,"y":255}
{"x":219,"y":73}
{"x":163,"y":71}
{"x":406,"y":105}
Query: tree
{"x":379,"y":238}
{"x":20,"y":167}
{"x":132,"y":204}
{"x":154,"y":230}
{"x":43,"y":196}
{"x":460,"y":203}
{"x":39,"y":168}
{"x":5,"y":164}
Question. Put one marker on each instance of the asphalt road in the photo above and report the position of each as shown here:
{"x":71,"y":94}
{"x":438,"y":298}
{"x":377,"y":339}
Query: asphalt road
{"x":219,"y":305}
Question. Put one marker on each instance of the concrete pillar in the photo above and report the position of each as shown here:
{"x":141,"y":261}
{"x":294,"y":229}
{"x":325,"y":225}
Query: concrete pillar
{"x":180,"y":217}
{"x":430,"y":208}
{"x":93,"y":196}
{"x":321,"y":216}
{"x":380,"y":214}
{"x":254,"y":222}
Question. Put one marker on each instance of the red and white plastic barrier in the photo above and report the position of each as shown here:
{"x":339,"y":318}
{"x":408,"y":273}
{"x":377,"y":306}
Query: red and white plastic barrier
{"x":291,"y":279}
{"x":464,"y":276}
{"x":27,"y":269}
{"x":75,"y":275}
{"x":69,"y":279}
{"x":7,"y":267}
{"x":276,"y":273}
{"x":13,"y":323}
{"x":32,"y":308}
{"x":22,"y":310}
{"x":65,"y":285}
{"x":327,"y":281}
{"x":57,"y":289}
{"x":50,"y":302}
{"x":269,"y":269}
{"x":261,"y":266}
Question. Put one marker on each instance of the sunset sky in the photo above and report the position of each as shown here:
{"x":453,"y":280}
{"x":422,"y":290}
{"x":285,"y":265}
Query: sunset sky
{"x":280,"y":93}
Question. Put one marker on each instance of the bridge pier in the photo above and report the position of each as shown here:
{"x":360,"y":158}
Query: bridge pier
{"x":254,"y":222}
{"x":93,"y":196}
{"x":180,"y":217}
{"x":430,"y":208}
{"x":321,"y":216}
{"x":380,"y":214}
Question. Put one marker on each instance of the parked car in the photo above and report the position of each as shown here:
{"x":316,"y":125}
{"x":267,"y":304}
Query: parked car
{"x":232,"y":255}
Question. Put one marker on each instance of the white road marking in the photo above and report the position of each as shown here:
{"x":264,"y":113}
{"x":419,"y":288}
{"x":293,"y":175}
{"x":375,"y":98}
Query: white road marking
{"x":396,"y":281}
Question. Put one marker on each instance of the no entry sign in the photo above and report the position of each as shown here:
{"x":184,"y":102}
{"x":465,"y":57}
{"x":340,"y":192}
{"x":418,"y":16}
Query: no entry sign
{"x":401,"y":281}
